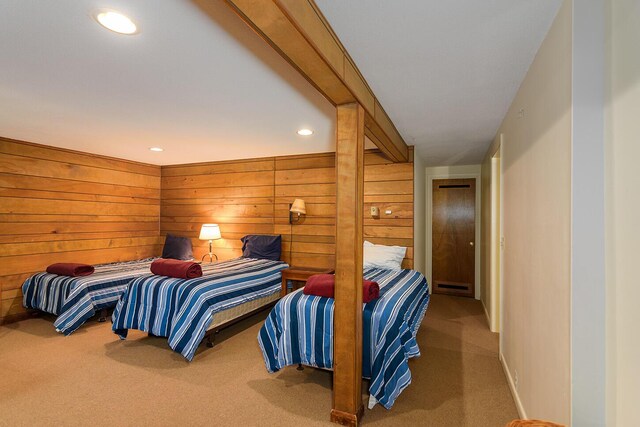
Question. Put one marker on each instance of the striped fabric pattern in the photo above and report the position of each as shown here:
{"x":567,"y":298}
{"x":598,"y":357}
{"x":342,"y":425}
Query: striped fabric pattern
{"x":76,"y":299}
{"x":299,"y":329}
{"x":182,"y":309}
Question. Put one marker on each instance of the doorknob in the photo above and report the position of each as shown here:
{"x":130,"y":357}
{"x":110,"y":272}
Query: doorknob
{"x":470,"y":243}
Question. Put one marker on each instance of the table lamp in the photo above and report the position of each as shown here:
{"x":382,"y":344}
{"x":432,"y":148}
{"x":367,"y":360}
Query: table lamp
{"x":210,"y":232}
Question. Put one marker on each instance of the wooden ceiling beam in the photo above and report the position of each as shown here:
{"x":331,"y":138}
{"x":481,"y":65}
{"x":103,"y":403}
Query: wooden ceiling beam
{"x":299,"y":32}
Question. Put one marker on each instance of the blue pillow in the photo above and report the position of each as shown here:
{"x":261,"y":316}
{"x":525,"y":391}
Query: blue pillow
{"x":262,"y":246}
{"x":177,"y":248}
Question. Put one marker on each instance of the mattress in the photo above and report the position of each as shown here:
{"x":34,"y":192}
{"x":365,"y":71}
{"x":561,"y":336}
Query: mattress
{"x":240,"y":310}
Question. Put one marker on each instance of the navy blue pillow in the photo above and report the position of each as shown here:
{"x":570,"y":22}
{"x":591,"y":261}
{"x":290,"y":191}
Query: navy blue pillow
{"x":177,"y":248}
{"x":262,"y":246}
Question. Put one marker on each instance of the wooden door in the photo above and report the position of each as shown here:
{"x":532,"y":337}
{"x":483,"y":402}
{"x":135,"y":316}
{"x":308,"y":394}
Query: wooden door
{"x":453,"y":234}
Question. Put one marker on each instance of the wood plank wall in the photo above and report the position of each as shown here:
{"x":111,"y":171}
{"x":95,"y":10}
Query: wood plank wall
{"x":253,"y":196}
{"x":59,"y":205}
{"x":237,"y":195}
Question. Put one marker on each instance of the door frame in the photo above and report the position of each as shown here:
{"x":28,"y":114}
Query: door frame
{"x":453,"y":172}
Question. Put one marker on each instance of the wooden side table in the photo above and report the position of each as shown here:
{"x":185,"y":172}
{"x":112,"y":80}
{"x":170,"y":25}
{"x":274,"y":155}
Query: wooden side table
{"x":300,"y":275}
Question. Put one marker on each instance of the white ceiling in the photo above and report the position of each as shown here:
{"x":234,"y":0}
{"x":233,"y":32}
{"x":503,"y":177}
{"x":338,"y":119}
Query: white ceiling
{"x":445,"y":71}
{"x":203,"y":89}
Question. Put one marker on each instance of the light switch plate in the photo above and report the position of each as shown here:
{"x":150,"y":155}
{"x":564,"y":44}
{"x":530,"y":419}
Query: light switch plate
{"x":375,"y":211}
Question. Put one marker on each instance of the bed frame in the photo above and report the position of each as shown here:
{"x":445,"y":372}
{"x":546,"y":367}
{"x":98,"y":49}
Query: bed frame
{"x":210,"y":336}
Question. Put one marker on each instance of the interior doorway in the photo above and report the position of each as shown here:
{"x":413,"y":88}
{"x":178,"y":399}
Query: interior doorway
{"x":453,"y":231}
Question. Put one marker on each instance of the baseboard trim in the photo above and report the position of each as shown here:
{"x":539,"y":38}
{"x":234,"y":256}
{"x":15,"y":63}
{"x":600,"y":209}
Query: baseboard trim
{"x":13,"y":318}
{"x":486,"y":313}
{"x":516,"y":397}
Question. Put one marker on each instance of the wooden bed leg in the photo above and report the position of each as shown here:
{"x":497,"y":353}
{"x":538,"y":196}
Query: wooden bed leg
{"x":300,"y":367}
{"x":103,"y":315}
{"x":210,"y":340}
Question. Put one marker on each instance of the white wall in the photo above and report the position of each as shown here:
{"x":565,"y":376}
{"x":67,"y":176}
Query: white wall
{"x":587,"y":215}
{"x":623,"y":213}
{"x":536,"y":285}
{"x":453,"y":172}
{"x":419,"y":214}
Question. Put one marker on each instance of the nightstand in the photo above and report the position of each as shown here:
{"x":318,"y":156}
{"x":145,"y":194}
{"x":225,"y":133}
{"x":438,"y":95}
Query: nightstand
{"x":300,"y":275}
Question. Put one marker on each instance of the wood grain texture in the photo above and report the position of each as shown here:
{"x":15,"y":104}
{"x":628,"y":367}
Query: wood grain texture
{"x":261,"y":205}
{"x":59,"y":205}
{"x":299,"y":32}
{"x":81,"y":207}
{"x":453,"y":231}
{"x":347,"y":340}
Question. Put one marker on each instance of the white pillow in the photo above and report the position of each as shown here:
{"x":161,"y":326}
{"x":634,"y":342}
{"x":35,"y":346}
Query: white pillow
{"x":381,"y":256}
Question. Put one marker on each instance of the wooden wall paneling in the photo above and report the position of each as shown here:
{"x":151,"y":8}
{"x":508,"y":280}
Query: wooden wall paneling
{"x":388,"y":185}
{"x":59,"y":205}
{"x":238,"y":195}
{"x":311,"y":241}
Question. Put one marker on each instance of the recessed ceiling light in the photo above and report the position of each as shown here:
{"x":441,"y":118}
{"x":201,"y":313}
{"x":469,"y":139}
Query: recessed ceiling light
{"x":116,"y":22}
{"x":305,"y":132}
{"x":156,"y":149}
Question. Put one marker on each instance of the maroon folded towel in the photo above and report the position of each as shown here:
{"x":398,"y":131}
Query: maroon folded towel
{"x":70,"y":269}
{"x":323,"y":285}
{"x":370,"y":290}
{"x":176,"y":268}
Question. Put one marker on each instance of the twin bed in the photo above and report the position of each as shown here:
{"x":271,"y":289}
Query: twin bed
{"x":76,"y":299}
{"x":298,"y":330}
{"x":183,"y":309}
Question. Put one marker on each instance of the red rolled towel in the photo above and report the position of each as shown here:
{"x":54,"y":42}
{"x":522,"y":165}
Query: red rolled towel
{"x":176,"y":268}
{"x":70,"y":269}
{"x":320,"y":285}
{"x":323,"y":285}
{"x":370,"y":291}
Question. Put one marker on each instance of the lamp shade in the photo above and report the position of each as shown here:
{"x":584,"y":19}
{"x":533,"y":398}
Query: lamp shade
{"x":210,"y":232}
{"x":298,"y":207}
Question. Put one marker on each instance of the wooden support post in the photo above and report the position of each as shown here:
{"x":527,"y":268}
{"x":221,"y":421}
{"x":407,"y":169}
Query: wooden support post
{"x":347,"y":353}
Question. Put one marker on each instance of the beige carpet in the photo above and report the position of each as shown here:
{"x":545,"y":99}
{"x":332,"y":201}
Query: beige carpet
{"x":93,"y":378}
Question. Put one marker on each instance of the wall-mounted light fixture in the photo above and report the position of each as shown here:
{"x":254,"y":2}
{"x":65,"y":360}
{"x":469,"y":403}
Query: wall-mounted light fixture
{"x":296,"y":209}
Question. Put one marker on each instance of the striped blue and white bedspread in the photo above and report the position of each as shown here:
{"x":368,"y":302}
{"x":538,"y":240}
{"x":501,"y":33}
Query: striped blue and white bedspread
{"x":76,"y":299}
{"x":299,"y":329}
{"x":182,"y":309}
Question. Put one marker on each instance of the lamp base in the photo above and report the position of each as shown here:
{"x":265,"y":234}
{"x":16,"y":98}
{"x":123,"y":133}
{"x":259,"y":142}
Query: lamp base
{"x":210,"y":255}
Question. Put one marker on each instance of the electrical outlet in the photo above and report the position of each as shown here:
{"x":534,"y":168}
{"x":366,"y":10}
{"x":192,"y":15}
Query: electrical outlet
{"x":515,"y":378}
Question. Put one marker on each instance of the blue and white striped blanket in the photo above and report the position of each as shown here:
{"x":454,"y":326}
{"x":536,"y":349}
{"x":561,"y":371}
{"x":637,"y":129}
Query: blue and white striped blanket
{"x":299,"y":329}
{"x":182,"y":309}
{"x":76,"y":299}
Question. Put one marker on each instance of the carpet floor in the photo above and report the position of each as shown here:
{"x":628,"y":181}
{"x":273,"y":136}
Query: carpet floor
{"x":93,"y":378}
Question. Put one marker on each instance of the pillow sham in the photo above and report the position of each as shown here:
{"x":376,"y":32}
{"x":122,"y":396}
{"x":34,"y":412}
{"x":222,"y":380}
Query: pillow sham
{"x":176,"y":247}
{"x":262,"y":246}
{"x":381,"y":256}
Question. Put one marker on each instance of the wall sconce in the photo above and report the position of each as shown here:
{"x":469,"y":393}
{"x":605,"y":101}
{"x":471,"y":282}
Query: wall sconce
{"x":297,"y":207}
{"x":210,"y":232}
